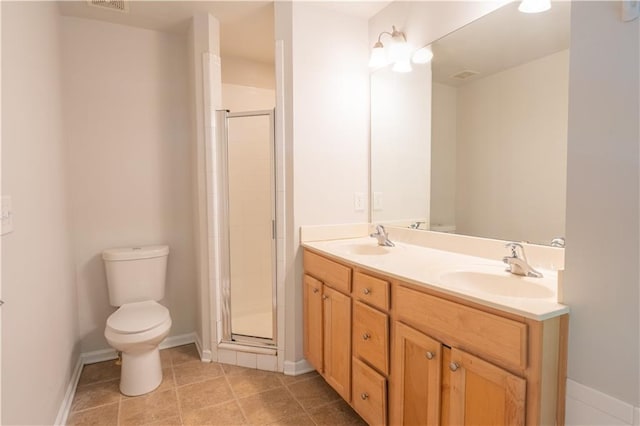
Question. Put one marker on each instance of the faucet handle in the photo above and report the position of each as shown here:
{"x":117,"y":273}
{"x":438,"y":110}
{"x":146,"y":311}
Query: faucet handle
{"x":514,"y":248}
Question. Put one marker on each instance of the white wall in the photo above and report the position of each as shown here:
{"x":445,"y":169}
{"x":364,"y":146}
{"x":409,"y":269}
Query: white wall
{"x":443,"y":154}
{"x":400,"y":155}
{"x":244,"y":72}
{"x":327,"y":109}
{"x":511,"y":152}
{"x":243,"y":97}
{"x":39,"y":319}
{"x":127,"y":124}
{"x":601,"y":280}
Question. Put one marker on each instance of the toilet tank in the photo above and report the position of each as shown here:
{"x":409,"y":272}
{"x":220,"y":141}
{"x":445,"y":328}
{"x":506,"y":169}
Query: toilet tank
{"x":135,"y":274}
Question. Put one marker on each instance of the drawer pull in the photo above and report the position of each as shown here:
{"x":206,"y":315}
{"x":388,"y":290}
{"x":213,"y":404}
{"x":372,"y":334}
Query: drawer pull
{"x":325,"y":297}
{"x":366,"y":291}
{"x":364,"y":396}
{"x":315,"y":290}
{"x":454,"y":366}
{"x":366,"y":336}
{"x":430,"y":355}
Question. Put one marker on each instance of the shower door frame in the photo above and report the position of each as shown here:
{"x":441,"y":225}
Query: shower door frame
{"x":225,"y":286}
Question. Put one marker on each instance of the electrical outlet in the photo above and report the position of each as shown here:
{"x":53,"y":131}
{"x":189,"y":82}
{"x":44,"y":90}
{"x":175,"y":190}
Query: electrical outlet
{"x":6,"y":214}
{"x":358,"y":201}
{"x":377,"y":201}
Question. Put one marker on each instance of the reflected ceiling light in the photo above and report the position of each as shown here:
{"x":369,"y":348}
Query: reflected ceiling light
{"x":398,"y":50}
{"x":422,"y":56}
{"x":534,"y":6}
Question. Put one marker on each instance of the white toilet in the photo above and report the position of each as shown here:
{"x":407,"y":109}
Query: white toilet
{"x":136,"y":280}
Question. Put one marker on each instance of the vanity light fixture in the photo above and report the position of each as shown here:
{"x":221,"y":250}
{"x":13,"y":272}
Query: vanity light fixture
{"x":397,"y":53}
{"x":422,"y":56}
{"x":534,"y":6}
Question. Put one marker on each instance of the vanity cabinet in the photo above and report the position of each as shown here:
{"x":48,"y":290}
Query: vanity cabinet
{"x":404,"y":354}
{"x":327,"y":321}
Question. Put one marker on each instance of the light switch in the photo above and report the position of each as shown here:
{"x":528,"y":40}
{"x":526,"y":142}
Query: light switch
{"x":7,"y":215}
{"x":358,"y":201}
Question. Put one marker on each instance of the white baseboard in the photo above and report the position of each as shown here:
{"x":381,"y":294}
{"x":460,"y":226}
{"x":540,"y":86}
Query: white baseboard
{"x":295,"y":368}
{"x":65,"y":407}
{"x":179,"y":340}
{"x":590,"y":406}
{"x":98,"y":356}
{"x":109,"y":354}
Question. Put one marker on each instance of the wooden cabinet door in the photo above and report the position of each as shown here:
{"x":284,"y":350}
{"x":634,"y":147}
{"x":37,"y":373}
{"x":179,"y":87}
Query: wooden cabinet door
{"x":417,"y":369}
{"x":313,"y":322}
{"x":337,"y":341}
{"x":483,"y":394}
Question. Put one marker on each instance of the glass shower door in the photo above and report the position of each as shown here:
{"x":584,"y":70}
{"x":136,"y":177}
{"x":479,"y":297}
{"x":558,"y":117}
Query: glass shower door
{"x":251,"y":227}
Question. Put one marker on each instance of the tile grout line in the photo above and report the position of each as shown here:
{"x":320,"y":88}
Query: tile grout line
{"x":299,"y":403}
{"x":235,"y":396}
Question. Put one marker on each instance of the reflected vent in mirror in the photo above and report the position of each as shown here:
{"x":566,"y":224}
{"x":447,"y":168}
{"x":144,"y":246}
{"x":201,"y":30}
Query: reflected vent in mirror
{"x":463,"y":75}
{"x":117,"y":5}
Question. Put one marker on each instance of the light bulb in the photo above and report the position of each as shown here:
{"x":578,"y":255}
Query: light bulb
{"x":422,"y":56}
{"x":534,"y":6}
{"x":378,"y":57}
{"x":402,"y":66}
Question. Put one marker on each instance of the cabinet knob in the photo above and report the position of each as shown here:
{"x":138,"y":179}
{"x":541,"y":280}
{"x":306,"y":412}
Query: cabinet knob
{"x":325,"y":297}
{"x":454,"y":366}
{"x":366,"y":336}
{"x":430,"y":355}
{"x":366,"y":291}
{"x":364,"y":395}
{"x":315,"y":290}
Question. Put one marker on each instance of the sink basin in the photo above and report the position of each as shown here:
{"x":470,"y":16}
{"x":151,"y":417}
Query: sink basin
{"x":497,"y":283}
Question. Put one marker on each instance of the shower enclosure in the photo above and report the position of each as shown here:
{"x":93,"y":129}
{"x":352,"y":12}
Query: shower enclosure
{"x":248,"y":288}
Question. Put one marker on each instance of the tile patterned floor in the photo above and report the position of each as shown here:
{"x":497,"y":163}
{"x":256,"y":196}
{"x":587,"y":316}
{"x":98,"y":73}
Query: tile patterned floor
{"x":197,"y":393}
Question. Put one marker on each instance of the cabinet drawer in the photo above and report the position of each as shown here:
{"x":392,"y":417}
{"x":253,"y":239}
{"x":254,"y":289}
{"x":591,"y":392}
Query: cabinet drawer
{"x":369,"y":394}
{"x":331,"y":273}
{"x":480,"y":332}
{"x":371,"y":336}
{"x":371,"y":290}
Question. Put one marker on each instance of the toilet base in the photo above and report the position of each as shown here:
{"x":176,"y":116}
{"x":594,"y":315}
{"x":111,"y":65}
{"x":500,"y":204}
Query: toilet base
{"x":141,"y":372}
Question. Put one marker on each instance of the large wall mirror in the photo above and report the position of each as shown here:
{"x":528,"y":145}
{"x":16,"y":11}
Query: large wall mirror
{"x":475,"y":142}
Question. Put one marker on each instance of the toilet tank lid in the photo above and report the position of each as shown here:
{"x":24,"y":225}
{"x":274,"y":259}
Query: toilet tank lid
{"x":133,"y":253}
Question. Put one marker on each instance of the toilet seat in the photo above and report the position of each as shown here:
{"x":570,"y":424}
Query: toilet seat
{"x":138,"y":317}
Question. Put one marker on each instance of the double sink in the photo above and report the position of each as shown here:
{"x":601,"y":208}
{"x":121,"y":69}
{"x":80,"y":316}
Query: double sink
{"x":477,"y":278}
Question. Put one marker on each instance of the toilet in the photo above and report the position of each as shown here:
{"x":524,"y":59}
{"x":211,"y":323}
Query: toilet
{"x":136,"y":281}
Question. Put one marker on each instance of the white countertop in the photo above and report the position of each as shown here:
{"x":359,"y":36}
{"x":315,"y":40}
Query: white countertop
{"x":432,"y":269}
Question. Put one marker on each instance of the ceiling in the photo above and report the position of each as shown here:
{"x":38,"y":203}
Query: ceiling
{"x":500,"y":40}
{"x":246,"y":27}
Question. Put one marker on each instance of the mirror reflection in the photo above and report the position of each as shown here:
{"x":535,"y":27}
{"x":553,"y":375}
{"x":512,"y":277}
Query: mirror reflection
{"x":475,"y":142}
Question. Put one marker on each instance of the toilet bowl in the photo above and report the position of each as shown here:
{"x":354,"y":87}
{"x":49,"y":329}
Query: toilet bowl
{"x":136,"y":280}
{"x":136,"y":329}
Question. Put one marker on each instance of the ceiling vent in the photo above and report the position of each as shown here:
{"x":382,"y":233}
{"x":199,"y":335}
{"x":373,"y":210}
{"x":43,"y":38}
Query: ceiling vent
{"x":463,"y":75}
{"x":117,"y":5}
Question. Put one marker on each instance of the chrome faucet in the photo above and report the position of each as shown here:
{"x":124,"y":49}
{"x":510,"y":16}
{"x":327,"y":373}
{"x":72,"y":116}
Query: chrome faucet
{"x":517,"y":264}
{"x":382,"y":237}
